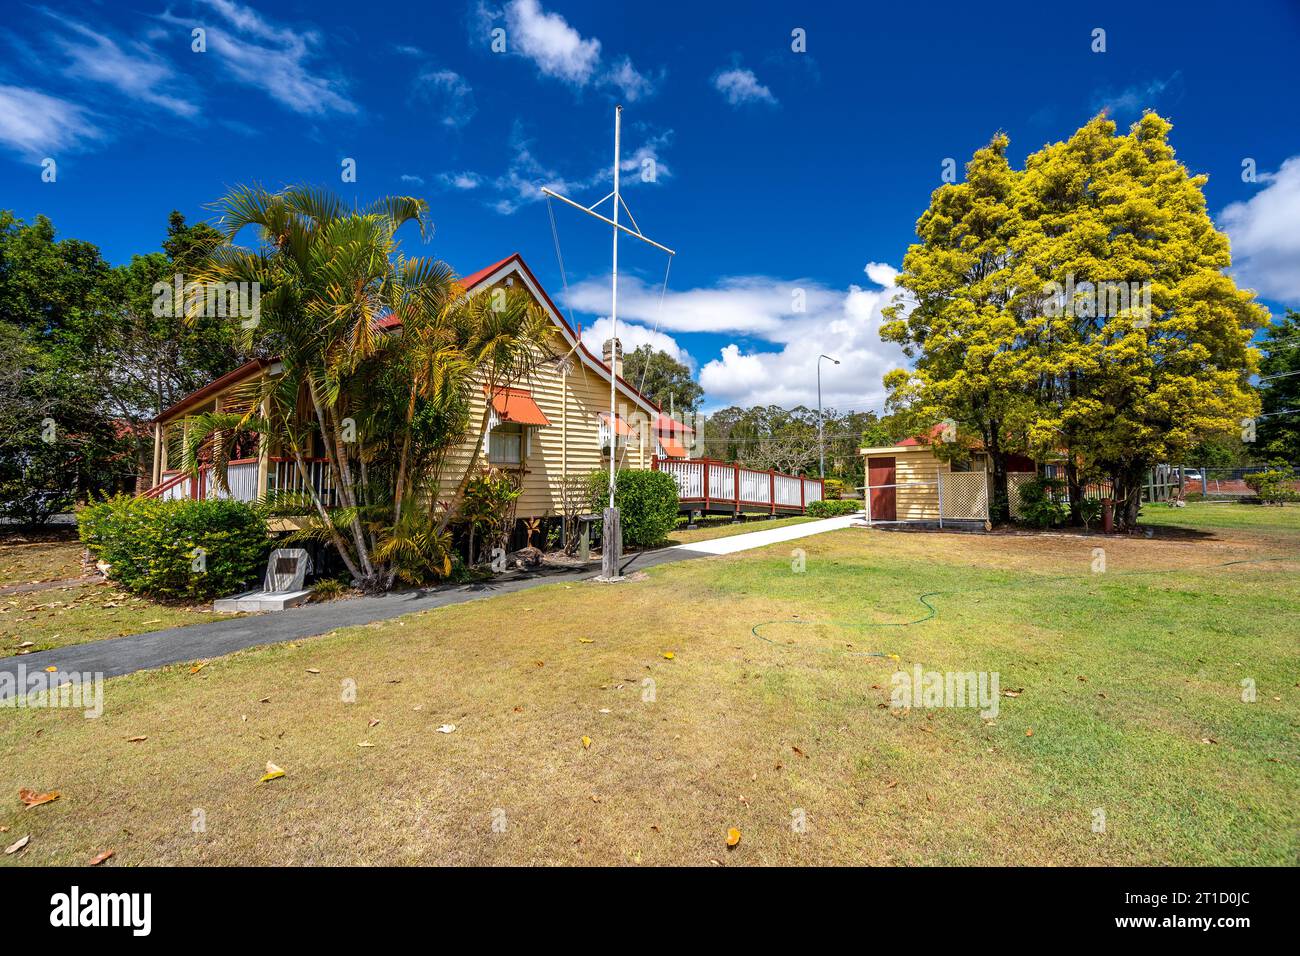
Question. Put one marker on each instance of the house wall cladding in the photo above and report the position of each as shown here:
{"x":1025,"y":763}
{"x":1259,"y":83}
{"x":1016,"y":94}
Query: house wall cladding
{"x":571,"y":395}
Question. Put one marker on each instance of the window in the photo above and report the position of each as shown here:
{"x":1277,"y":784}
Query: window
{"x":505,"y":444}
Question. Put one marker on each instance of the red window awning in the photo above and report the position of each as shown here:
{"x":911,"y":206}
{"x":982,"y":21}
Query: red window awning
{"x":517,"y":405}
{"x":621,"y":426}
{"x":672,"y":447}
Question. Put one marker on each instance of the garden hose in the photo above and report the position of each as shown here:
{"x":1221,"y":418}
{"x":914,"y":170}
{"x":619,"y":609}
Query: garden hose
{"x":933,"y":611}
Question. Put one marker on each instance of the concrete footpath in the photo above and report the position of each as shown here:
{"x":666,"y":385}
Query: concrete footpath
{"x":125,"y":655}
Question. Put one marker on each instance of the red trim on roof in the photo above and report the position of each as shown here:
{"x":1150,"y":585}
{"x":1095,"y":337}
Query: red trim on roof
{"x":212,"y":388}
{"x":482,"y":274}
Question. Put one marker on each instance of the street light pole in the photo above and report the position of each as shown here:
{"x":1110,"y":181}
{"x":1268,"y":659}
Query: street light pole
{"x":821,"y":440}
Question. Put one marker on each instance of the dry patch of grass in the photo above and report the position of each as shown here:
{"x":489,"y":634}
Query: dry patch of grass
{"x":39,"y":620}
{"x":1121,"y":678}
{"x":24,"y":561}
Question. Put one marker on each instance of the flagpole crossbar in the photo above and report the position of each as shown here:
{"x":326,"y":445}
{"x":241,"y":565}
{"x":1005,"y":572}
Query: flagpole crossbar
{"x":605,"y":219}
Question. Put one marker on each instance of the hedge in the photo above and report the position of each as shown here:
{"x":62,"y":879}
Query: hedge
{"x":833,"y":507}
{"x":646,"y":500}
{"x":177,"y":549}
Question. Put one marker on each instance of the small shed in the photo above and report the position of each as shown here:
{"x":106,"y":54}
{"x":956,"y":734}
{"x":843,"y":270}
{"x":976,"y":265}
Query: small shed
{"x":909,"y":483}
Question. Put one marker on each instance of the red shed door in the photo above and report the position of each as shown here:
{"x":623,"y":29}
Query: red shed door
{"x":884,"y":502}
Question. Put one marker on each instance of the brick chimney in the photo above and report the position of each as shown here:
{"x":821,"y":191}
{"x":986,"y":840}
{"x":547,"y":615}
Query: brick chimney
{"x":616,"y":361}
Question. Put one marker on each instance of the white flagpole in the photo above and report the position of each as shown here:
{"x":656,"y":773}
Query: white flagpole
{"x":611,"y":550}
{"x":613,"y":319}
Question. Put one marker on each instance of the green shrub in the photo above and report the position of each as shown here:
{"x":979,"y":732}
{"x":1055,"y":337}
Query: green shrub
{"x":833,"y":508}
{"x":646,"y":500}
{"x":1090,"y":512}
{"x":1040,"y":502}
{"x":1273,"y":486}
{"x":177,"y":549}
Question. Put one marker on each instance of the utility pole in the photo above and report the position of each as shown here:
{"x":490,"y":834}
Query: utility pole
{"x":612,"y":547}
{"x":821,"y":442}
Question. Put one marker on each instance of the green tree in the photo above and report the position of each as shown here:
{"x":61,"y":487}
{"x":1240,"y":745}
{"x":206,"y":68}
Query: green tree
{"x":662,"y":379}
{"x":1278,"y":433}
{"x":1079,"y":306}
{"x":962,"y":326}
{"x":385,"y":407}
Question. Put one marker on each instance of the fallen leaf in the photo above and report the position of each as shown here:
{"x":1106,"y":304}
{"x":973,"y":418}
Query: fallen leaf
{"x":1208,"y":740}
{"x":1013,"y":693}
{"x":446,"y":728}
{"x":798,"y":751}
{"x":101,"y":857}
{"x":51,"y":670}
{"x":15,"y":847}
{"x":585,"y":640}
{"x":312,"y":670}
{"x":891,"y":785}
{"x":198,"y":667}
{"x":265,"y":700}
{"x":586,"y":743}
{"x":272,"y":773}
{"x":669,"y":655}
{"x":26,"y":644}
{"x":374,"y":722}
{"x":136,"y":740}
{"x":1029,"y":732}
{"x":733,"y":837}
{"x":365,"y":743}
{"x":33,"y":799}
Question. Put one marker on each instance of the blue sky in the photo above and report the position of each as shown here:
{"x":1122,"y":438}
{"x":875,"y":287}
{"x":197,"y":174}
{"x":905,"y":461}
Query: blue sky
{"x":775,"y":170}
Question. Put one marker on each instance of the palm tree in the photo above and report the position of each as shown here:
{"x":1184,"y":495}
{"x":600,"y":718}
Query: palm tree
{"x":387,"y":408}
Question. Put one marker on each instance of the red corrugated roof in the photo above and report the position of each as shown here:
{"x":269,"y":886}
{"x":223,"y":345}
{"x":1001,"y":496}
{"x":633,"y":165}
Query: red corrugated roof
{"x":671,"y":426}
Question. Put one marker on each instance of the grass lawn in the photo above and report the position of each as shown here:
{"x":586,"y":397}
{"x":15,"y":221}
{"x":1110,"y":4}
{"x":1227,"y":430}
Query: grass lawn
{"x":73,"y":614}
{"x":1127,"y":700}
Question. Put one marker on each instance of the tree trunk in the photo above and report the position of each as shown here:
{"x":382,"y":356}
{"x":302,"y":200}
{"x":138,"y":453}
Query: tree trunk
{"x":1000,"y":506}
{"x":469,"y":469}
{"x":1075,"y":489}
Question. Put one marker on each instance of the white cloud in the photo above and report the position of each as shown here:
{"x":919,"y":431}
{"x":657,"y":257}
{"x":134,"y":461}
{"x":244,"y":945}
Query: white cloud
{"x":131,"y":68}
{"x":842,"y":323}
{"x":1132,"y":100}
{"x":449,"y":93}
{"x":522,"y":182}
{"x":36,"y":125}
{"x":741,"y":86}
{"x":275,"y":59}
{"x":463,"y":181}
{"x":560,"y":52}
{"x":848,"y":331}
{"x":632,"y":335}
{"x":414,"y":180}
{"x":1265,"y":237}
{"x":547,"y":39}
{"x":631,"y":83}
